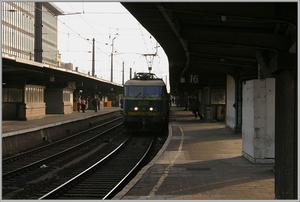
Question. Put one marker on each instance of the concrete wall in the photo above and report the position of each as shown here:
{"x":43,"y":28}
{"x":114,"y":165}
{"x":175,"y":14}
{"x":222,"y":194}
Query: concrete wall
{"x":15,"y":143}
{"x":230,"y":100}
{"x":35,"y":110}
{"x":258,"y":120}
{"x":9,"y":111}
{"x":68,"y":107}
{"x":21,"y":111}
{"x":54,"y":101}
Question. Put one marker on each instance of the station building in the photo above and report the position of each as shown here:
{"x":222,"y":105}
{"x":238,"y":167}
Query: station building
{"x":19,"y":22}
{"x":35,"y":82}
{"x":18,"y":30}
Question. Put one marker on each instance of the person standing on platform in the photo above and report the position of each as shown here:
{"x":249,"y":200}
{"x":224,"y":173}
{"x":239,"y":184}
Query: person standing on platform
{"x":121,"y":103}
{"x":83,"y":104}
{"x":95,"y":104}
{"x":195,"y":107}
{"x":79,"y":104}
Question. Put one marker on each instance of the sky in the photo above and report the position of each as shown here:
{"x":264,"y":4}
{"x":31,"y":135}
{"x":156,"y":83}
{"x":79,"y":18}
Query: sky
{"x":103,"y":21}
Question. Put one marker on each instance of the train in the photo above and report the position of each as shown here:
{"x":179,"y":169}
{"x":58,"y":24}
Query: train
{"x":145,"y":103}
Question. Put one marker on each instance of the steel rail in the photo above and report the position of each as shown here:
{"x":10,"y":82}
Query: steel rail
{"x":55,"y":191}
{"x":7,"y":174}
{"x":112,"y":192}
{"x":45,"y":147}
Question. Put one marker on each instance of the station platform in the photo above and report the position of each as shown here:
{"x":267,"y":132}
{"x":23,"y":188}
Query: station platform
{"x":10,"y":128}
{"x":200,"y":161}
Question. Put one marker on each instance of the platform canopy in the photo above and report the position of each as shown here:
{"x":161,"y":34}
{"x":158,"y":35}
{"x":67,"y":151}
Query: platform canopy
{"x":205,"y":41}
{"x":18,"y":72}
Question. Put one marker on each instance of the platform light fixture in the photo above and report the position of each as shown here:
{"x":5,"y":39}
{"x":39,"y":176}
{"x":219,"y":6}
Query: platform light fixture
{"x":223,"y":18}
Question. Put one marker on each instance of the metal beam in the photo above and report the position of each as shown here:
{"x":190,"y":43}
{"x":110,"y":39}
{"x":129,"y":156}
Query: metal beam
{"x":238,"y":39}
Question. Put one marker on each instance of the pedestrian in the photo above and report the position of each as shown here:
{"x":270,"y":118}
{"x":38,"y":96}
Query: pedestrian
{"x":87,"y":102}
{"x":95,"y":104}
{"x":79,"y":104}
{"x":187,"y":102}
{"x":195,"y":107}
{"x":121,"y":103}
{"x":83,"y":104}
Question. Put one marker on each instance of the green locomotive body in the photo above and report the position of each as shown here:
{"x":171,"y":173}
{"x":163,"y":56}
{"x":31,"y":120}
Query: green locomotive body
{"x":145,"y":103}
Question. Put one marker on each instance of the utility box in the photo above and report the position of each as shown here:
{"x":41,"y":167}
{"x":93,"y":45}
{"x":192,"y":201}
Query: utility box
{"x":210,"y":113}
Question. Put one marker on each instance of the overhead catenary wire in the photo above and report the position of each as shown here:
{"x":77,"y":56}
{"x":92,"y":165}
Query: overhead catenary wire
{"x":92,"y":25}
{"x":86,"y":21}
{"x":76,"y":33}
{"x":96,"y":40}
{"x":143,"y":37}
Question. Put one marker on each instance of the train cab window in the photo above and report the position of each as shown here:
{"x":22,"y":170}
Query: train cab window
{"x":140,"y":91}
{"x":133,"y":91}
{"x":153,"y":91}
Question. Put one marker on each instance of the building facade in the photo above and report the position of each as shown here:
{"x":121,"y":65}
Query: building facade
{"x":18,"y":31}
{"x":29,"y":29}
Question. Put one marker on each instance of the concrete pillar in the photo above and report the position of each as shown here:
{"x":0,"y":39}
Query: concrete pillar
{"x":258,"y":128}
{"x":230,"y":102}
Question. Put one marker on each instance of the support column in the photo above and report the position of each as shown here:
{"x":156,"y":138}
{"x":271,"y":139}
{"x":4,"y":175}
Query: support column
{"x":262,"y":61}
{"x":237,"y":105}
{"x":285,"y":136}
{"x":286,"y":154}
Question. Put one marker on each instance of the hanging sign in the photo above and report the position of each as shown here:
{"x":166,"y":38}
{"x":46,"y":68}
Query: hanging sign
{"x":194,"y":79}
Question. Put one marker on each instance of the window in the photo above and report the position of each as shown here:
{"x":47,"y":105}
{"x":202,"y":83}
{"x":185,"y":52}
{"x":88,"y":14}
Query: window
{"x":140,"y":91}
{"x":153,"y":91}
{"x":133,"y":91}
{"x":12,"y":95}
{"x":66,"y":96}
{"x":34,"y":94}
{"x":218,"y":96}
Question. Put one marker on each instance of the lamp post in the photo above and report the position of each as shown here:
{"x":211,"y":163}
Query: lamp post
{"x":123,"y":73}
{"x":111,"y":58}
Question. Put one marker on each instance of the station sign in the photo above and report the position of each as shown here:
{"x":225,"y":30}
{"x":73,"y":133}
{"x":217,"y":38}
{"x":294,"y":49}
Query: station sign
{"x":194,"y":79}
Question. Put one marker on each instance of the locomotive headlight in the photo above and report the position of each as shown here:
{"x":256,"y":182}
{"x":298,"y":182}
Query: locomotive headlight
{"x":136,"y":108}
{"x":153,"y":109}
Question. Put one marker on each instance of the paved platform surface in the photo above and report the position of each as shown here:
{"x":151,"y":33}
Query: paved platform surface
{"x":19,"y":127}
{"x":200,"y":161}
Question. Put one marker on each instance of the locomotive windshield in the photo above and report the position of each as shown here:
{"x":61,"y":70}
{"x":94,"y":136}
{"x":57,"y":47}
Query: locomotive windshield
{"x":143,"y":91}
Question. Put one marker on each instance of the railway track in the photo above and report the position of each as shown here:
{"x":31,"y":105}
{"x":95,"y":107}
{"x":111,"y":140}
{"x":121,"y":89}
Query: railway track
{"x":19,"y":171}
{"x":103,"y":179}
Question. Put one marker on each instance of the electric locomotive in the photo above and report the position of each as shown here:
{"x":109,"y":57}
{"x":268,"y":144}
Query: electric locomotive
{"x":145,"y":103}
